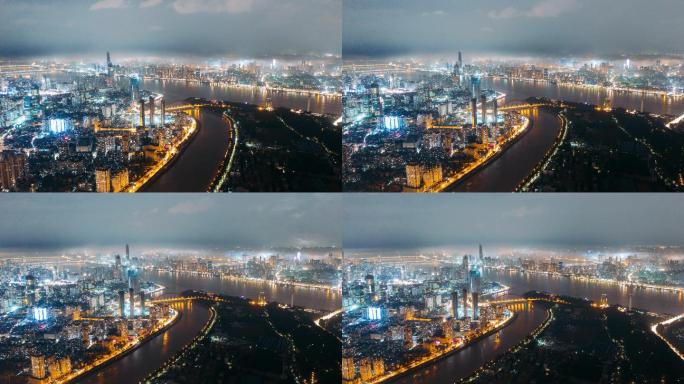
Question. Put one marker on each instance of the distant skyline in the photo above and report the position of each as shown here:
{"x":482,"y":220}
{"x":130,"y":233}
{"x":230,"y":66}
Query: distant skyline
{"x":255,"y":28}
{"x":517,"y":220}
{"x":200,"y":221}
{"x":380,"y":28}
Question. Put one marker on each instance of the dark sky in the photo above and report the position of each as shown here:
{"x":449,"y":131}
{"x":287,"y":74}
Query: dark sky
{"x":413,"y":221}
{"x":57,"y":221}
{"x":536,"y":27}
{"x":169,"y":27}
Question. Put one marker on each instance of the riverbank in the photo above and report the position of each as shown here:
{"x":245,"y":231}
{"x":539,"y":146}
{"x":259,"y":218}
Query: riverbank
{"x":432,"y":360}
{"x":529,"y":125}
{"x":179,"y":152}
{"x":539,"y":169}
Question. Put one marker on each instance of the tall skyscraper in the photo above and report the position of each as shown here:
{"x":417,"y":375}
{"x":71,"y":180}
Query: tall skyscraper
{"x":162,"y":116}
{"x":465,"y":302}
{"x":495,"y":107}
{"x":142,"y":112}
{"x":30,"y":290}
{"x":142,"y":303}
{"x":151,"y":105}
{"x":481,"y":254}
{"x":483,"y":100}
{"x":460,"y":60}
{"x":370,"y":284}
{"x":454,"y":304}
{"x":128,"y":254}
{"x":473,"y":109}
{"x":131,"y":302}
{"x":476,"y":310}
{"x":122,"y":301}
{"x":109,"y":65}
{"x":475,"y":86}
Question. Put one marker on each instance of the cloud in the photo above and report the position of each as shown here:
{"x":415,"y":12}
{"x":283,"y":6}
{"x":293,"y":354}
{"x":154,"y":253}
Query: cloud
{"x":109,"y":4}
{"x":435,"y":13}
{"x":543,"y":9}
{"x":150,"y":3}
{"x":190,"y":207}
{"x":212,"y":6}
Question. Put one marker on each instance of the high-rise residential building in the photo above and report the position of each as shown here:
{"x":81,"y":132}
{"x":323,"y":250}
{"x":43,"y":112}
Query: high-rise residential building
{"x":473,"y":110}
{"x":103,"y":180}
{"x":39,"y":368}
{"x":162,"y":116}
{"x":151,"y":106}
{"x":483,"y":100}
{"x":142,"y":303}
{"x":13,"y":166}
{"x":465,"y":302}
{"x":141,"y":103}
{"x":476,"y":310}
{"x":131,"y":302}
{"x":122,"y":303}
{"x":348,"y":368}
{"x":454,"y":304}
{"x":120,"y":180}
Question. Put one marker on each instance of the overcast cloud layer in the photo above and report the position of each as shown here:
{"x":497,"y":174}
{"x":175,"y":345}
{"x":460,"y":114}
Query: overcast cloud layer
{"x":173,"y":27}
{"x":54,"y":221}
{"x":413,"y":221}
{"x":539,"y":27}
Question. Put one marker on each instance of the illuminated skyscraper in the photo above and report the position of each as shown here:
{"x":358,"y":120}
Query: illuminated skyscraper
{"x":103,"y":180}
{"x":454,"y":304}
{"x":131,"y":302}
{"x":142,"y":112}
{"x":151,"y":105}
{"x":495,"y":106}
{"x":483,"y":100}
{"x":473,"y":109}
{"x":465,"y":302}
{"x":109,"y":65}
{"x":122,"y":301}
{"x":162,"y":117}
{"x":38,"y":367}
{"x":475,"y":86}
{"x":142,"y":303}
{"x":30,"y":290}
{"x":476,"y":310}
{"x":370,"y":284}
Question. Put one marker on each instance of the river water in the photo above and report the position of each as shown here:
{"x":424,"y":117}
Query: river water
{"x":144,"y":360}
{"x":175,"y":90}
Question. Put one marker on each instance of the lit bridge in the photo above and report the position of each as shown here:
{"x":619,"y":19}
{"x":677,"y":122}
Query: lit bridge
{"x":675,"y":121}
{"x":182,"y":299}
{"x":520,"y":304}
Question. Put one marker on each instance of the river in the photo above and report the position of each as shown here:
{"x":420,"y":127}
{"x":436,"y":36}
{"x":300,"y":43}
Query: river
{"x":135,"y":366}
{"x":517,"y":162}
{"x":464,"y":362}
{"x":175,"y":90}
{"x":147,"y":358}
{"x":198,"y":163}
